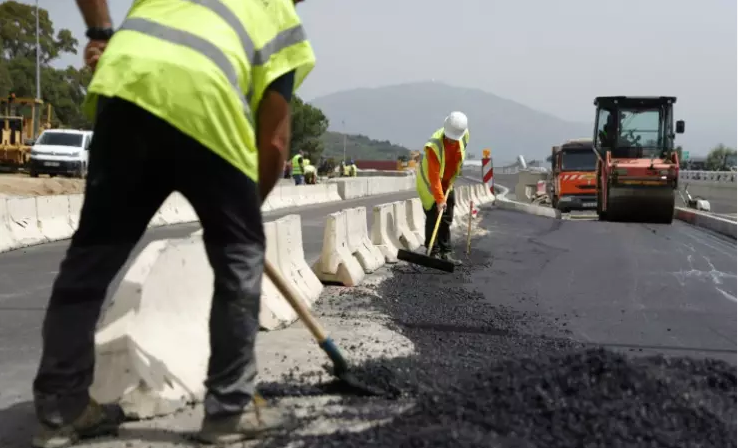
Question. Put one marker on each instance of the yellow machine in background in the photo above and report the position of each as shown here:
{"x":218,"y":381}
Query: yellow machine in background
{"x":18,"y":129}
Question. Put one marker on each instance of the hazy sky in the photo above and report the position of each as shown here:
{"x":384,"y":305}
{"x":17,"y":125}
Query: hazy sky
{"x":552,"y":55}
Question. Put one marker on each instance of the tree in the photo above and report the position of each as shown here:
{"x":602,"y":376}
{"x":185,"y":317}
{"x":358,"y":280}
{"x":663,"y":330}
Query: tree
{"x":65,"y":88}
{"x":308,"y":125}
{"x":720,"y":158}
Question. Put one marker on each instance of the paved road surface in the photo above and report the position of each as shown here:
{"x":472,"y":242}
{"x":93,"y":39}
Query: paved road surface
{"x":476,"y":353}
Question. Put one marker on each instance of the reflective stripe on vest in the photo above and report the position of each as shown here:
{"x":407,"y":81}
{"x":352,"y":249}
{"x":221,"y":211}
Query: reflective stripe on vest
{"x":422,"y":183}
{"x":248,"y":71}
{"x":296,"y":168}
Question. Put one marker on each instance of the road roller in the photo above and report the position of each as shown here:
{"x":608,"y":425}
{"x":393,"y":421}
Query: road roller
{"x":637,"y":166}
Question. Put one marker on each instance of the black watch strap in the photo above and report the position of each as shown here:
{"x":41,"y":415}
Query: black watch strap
{"x":97,"y":33}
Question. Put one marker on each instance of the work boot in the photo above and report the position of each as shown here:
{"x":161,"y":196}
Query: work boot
{"x":253,"y":422}
{"x":446,"y":256}
{"x":95,"y":421}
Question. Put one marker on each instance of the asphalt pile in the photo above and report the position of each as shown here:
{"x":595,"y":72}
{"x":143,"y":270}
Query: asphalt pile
{"x":491,"y":376}
{"x":592,"y":398}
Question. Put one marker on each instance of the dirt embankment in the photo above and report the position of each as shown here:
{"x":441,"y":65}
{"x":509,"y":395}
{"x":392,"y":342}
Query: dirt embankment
{"x":22,"y":185}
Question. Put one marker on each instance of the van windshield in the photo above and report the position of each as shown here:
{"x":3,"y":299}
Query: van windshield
{"x":60,"y":139}
{"x":578,"y":161}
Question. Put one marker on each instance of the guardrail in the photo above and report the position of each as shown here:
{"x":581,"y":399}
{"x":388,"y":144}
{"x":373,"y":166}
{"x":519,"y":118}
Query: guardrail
{"x":720,"y":177}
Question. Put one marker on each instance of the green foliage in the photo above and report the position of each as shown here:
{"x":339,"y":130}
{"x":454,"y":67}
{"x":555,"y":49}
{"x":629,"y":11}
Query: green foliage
{"x":720,"y":158}
{"x":64,"y":88}
{"x":361,"y":147}
{"x":308,"y":125}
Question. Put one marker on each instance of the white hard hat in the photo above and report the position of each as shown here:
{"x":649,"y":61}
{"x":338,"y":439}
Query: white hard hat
{"x":455,"y":125}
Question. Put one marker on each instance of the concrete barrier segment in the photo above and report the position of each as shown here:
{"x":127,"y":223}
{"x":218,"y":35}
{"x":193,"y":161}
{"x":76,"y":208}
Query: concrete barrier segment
{"x":714,"y":223}
{"x":275,"y":312}
{"x":152,"y":342}
{"x":529,"y":209}
{"x":7,"y":239}
{"x":369,"y":256}
{"x":290,"y":258}
{"x":337,"y":263}
{"x":383,"y":233}
{"x":415,"y":217}
{"x":402,"y":230}
{"x":75,"y":209}
{"x":53,"y":217}
{"x":23,"y":222}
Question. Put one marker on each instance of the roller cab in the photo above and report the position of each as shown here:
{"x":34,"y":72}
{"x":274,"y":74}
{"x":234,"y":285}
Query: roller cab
{"x":637,"y":168}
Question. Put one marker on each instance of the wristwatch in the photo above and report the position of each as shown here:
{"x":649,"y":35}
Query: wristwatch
{"x":97,"y":33}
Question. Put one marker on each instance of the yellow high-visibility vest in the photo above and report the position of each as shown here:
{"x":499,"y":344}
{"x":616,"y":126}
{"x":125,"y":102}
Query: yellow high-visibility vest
{"x":296,"y":168}
{"x":422,"y":182}
{"x":203,"y":67}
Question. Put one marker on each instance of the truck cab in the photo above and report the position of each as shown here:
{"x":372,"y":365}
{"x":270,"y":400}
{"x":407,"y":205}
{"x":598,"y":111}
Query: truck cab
{"x":573,"y":170}
{"x":61,"y":151}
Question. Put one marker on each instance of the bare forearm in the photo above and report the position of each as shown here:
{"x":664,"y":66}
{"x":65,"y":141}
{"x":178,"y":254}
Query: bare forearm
{"x":273,"y":140}
{"x":95,"y":13}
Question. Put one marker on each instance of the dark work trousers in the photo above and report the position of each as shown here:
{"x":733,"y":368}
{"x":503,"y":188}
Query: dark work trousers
{"x":136,"y":161}
{"x":443,"y":238}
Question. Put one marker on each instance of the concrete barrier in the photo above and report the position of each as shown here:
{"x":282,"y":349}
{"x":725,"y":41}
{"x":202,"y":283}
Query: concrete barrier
{"x":530,"y":209}
{"x":337,"y":263}
{"x":354,"y":187}
{"x":75,"y":209}
{"x":403,"y":233}
{"x":284,"y":250}
{"x":415,"y":218}
{"x":369,"y":256}
{"x":7,"y":239}
{"x":53,"y":217}
{"x":383,"y":232}
{"x":711,"y":222}
{"x":36,"y":220}
{"x":22,"y":222}
{"x":152,"y":342}
{"x":289,"y":257}
{"x":462,"y":201}
{"x":176,"y":209}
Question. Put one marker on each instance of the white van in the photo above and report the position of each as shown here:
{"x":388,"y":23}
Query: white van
{"x":61,"y":151}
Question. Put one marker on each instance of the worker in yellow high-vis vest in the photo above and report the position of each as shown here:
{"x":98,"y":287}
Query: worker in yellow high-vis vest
{"x":441,"y":164}
{"x":191,"y":96}
{"x":298,"y":171}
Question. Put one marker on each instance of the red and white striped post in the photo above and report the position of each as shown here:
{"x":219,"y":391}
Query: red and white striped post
{"x":488,"y":171}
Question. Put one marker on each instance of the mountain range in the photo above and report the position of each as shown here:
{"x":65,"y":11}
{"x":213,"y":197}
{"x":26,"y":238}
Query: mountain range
{"x":407,"y":114}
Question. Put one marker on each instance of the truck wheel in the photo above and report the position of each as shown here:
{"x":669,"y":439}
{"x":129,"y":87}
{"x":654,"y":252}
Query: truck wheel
{"x":33,"y":173}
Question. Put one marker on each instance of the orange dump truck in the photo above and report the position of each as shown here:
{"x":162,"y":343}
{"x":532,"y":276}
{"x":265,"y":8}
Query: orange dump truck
{"x":573,"y":170}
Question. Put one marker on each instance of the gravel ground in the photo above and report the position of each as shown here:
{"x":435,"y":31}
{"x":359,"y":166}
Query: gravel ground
{"x":489,"y":376}
{"x":22,"y":185}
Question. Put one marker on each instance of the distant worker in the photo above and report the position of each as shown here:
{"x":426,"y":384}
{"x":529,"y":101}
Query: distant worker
{"x":212,"y":117}
{"x":353,"y":171}
{"x":311,"y":175}
{"x":342,"y":171}
{"x":445,"y":152}
{"x":298,"y":174}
